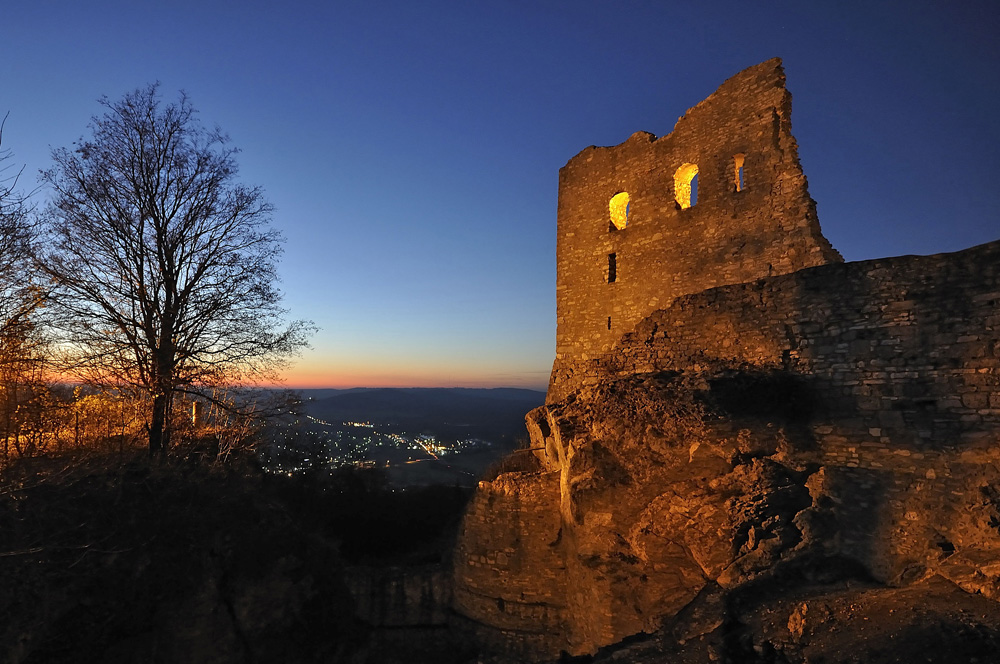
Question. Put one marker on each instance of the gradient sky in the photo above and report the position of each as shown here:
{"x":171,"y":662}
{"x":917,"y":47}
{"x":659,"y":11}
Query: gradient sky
{"x":412,"y":148}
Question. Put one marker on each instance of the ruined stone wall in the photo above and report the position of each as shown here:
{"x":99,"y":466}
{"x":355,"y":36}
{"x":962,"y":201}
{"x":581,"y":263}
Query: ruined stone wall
{"x":509,"y":573}
{"x":842,"y":412}
{"x":903,"y":351}
{"x":400,"y":597}
{"x":405,"y":611}
{"x":896,"y":367}
{"x":730,"y":401}
{"x":742,"y":226}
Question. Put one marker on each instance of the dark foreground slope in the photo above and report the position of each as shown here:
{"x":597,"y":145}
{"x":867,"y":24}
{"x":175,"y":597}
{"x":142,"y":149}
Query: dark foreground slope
{"x":112,"y":560}
{"x":115,"y":559}
{"x":106,"y":560}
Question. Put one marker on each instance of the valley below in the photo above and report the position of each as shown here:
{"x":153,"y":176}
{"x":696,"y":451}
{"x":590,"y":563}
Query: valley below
{"x":413,"y":436}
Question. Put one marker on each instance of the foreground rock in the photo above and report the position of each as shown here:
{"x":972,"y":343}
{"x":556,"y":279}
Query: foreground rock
{"x":857,"y":623}
{"x":658,"y":499}
{"x":734,"y":412}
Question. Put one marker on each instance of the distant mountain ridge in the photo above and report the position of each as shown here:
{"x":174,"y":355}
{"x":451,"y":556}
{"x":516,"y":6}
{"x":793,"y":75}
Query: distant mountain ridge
{"x":448,"y":411}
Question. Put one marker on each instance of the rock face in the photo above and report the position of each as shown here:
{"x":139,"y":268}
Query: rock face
{"x":841,"y":416}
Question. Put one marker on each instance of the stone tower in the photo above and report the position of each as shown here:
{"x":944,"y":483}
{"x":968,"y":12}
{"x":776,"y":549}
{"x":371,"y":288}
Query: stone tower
{"x":720,"y":200}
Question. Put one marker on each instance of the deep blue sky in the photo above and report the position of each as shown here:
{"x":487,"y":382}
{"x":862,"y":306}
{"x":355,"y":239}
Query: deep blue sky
{"x":412,"y":148}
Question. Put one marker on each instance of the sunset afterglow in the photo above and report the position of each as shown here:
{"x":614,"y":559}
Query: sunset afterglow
{"x":411,"y":150}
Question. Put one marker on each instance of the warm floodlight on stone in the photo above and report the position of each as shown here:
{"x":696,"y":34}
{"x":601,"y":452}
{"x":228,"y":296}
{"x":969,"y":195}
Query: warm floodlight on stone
{"x":682,"y":185}
{"x":738,"y":181}
{"x":618,"y":207}
{"x":730,"y":403}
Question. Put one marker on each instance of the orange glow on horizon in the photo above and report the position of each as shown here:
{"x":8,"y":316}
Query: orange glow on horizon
{"x":335,"y":376}
{"x":332,"y":374}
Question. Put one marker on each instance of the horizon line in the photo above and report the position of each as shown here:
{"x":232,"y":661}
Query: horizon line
{"x":408,"y":387}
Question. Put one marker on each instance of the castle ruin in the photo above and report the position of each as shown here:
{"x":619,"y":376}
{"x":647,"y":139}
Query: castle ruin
{"x":720,"y":200}
{"x":731,"y":403}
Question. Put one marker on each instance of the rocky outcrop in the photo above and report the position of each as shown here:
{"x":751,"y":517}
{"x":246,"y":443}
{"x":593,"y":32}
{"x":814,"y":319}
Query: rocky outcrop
{"x":841,"y":420}
{"x":646,"y":504}
{"x":732,"y":409}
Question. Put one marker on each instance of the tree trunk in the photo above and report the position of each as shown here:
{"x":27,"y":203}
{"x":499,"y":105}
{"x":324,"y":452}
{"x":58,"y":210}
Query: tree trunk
{"x":157,"y":426}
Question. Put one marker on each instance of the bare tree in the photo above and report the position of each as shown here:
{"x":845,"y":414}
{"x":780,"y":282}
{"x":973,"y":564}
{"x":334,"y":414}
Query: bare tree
{"x":19,"y":296}
{"x":21,"y":341}
{"x":163,"y":265}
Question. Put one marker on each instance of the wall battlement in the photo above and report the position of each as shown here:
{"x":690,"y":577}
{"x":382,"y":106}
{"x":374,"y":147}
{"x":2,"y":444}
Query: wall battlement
{"x":722,"y":199}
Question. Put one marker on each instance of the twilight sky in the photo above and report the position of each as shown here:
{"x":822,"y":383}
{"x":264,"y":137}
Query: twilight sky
{"x":412,"y":148}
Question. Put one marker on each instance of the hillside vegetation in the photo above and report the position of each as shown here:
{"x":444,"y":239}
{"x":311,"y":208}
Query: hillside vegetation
{"x":114,"y":558}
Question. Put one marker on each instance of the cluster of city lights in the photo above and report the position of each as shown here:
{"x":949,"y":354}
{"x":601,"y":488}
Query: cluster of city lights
{"x":307,"y":445}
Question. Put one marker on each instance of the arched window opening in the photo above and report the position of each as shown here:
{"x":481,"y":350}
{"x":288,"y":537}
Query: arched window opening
{"x":686,"y":185}
{"x":612,"y":268}
{"x":738,"y":172}
{"x":619,"y":207}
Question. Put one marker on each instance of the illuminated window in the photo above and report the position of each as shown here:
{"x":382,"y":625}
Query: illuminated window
{"x":619,"y":207}
{"x":686,"y":185}
{"x":738,"y":172}
{"x":612,"y":268}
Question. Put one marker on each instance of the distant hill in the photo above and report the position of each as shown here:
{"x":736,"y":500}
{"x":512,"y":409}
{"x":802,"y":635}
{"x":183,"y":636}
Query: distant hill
{"x":458,"y":412}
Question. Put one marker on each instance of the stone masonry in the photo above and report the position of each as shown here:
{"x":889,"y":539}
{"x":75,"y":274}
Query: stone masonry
{"x":752,"y":216}
{"x":731,"y":403}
